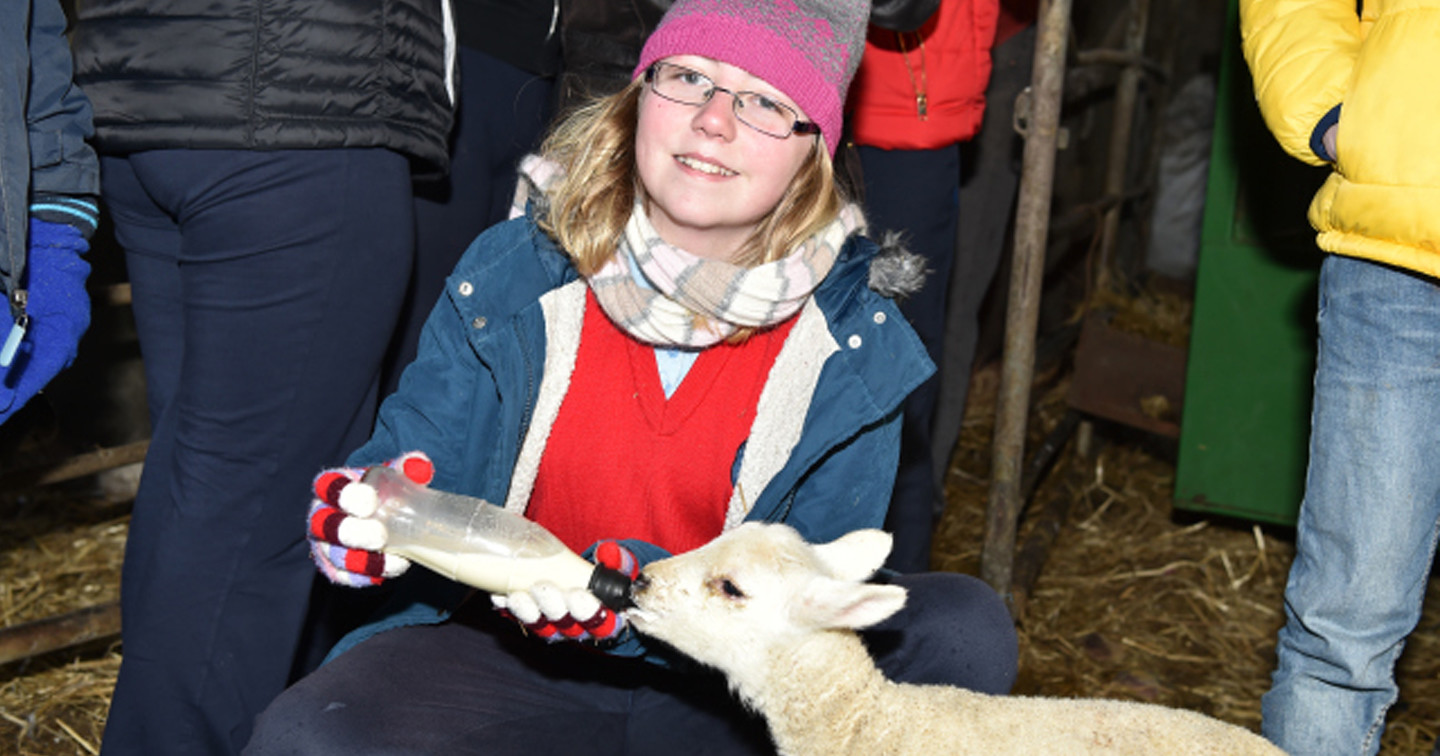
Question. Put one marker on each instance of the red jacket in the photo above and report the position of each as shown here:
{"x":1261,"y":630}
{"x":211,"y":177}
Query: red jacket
{"x":1015,"y":17}
{"x":947,"y":60}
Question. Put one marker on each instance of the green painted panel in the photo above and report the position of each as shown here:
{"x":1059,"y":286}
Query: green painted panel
{"x":1246,"y":418}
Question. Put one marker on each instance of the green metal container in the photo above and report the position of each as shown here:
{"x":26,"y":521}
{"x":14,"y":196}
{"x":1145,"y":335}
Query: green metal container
{"x":1246,"y":419}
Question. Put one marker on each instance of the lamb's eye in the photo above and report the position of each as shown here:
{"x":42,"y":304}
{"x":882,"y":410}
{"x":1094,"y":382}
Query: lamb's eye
{"x":728,"y":587}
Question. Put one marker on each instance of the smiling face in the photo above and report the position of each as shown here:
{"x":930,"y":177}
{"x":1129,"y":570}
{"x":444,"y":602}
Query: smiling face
{"x":708,"y":178}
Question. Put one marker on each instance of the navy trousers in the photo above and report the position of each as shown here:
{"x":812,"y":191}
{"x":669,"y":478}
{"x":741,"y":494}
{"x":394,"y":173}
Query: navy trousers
{"x":476,"y":685}
{"x":266,"y":286}
{"x":503,"y":112}
{"x":916,"y":192}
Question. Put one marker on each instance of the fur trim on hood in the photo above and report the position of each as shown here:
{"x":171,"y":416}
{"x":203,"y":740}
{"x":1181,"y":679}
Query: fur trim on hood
{"x":896,"y":272}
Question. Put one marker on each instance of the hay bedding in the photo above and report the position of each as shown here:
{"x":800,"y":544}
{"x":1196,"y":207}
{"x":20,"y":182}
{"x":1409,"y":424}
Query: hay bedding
{"x":1131,"y":604}
{"x":1135,"y":602}
{"x":1138,"y":601}
{"x":59,"y":552}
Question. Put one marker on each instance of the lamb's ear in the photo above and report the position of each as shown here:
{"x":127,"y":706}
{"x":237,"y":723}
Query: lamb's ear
{"x":855,"y":555}
{"x":829,"y":603}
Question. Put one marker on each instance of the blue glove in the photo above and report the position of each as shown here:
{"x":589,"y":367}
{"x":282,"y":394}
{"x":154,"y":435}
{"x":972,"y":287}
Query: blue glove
{"x":59,"y":312}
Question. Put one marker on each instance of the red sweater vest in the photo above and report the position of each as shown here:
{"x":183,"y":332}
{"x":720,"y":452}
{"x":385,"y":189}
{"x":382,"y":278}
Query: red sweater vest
{"x":622,"y":461}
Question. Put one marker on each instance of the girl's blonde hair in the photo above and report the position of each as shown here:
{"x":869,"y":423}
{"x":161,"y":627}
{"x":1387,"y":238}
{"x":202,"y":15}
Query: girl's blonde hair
{"x":591,"y":202}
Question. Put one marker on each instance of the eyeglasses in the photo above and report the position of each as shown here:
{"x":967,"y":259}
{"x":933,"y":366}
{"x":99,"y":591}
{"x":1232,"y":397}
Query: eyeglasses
{"x":760,"y":112}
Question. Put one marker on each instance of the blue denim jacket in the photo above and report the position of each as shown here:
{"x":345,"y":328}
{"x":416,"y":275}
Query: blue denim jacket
{"x":469,"y":398}
{"x":43,"y":148}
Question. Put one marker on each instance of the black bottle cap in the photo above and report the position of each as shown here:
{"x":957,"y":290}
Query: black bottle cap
{"x":611,"y":587}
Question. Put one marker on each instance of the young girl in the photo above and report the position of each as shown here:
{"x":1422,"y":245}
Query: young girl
{"x":681,"y":334}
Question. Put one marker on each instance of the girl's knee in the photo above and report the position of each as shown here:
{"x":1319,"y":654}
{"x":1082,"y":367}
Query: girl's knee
{"x":954,"y":630}
{"x":302,"y":723}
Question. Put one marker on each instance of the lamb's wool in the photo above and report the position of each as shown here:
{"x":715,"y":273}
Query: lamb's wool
{"x":777,"y":616}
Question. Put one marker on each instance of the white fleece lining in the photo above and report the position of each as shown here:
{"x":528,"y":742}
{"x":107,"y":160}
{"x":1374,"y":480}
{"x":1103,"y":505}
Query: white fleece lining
{"x":780,"y":413}
{"x":564,"y":310}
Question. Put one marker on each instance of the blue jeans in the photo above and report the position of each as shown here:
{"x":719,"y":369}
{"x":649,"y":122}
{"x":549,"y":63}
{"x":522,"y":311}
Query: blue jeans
{"x":1367,"y":529}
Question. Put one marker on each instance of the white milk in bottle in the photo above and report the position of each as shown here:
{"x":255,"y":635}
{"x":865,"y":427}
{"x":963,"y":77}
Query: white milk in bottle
{"x":482,"y":545}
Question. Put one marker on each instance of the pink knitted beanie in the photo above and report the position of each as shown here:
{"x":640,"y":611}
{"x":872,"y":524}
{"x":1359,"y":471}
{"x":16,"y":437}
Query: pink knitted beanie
{"x":808,"y":49}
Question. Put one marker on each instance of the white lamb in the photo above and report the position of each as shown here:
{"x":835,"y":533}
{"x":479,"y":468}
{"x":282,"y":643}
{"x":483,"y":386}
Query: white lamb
{"x":777,"y":616}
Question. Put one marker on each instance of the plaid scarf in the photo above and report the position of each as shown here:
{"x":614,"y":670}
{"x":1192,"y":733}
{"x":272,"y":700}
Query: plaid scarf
{"x":664,"y":296}
{"x":681,"y":300}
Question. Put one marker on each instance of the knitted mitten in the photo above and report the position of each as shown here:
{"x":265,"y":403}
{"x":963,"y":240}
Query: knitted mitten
{"x":577,"y":615}
{"x":58,"y":311}
{"x":345,"y":545}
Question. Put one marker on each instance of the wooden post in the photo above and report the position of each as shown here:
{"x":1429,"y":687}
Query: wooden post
{"x":1032,"y":219}
{"x":1122,"y":121}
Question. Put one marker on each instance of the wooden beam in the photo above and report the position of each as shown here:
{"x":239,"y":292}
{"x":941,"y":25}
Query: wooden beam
{"x":74,"y":467}
{"x":63,"y":631}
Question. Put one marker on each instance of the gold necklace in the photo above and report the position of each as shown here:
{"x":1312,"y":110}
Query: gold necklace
{"x":922,"y":100}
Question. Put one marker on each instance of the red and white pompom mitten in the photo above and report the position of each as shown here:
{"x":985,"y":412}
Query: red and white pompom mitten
{"x":554,"y":614}
{"x":346,"y":545}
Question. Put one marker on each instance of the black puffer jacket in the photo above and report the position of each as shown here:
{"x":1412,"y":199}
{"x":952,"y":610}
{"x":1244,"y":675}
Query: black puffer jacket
{"x":268,"y":74}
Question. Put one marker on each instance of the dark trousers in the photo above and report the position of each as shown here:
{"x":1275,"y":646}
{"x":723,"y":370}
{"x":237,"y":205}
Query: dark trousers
{"x":503,"y":112}
{"x":916,"y":192}
{"x":476,"y":685}
{"x":266,"y":286}
{"x":992,"y":163}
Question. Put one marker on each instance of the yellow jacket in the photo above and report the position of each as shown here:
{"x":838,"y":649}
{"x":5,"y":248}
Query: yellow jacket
{"x":1382,"y":202}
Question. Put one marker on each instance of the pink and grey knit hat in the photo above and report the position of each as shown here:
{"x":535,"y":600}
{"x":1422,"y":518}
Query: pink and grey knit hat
{"x":808,"y":49}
